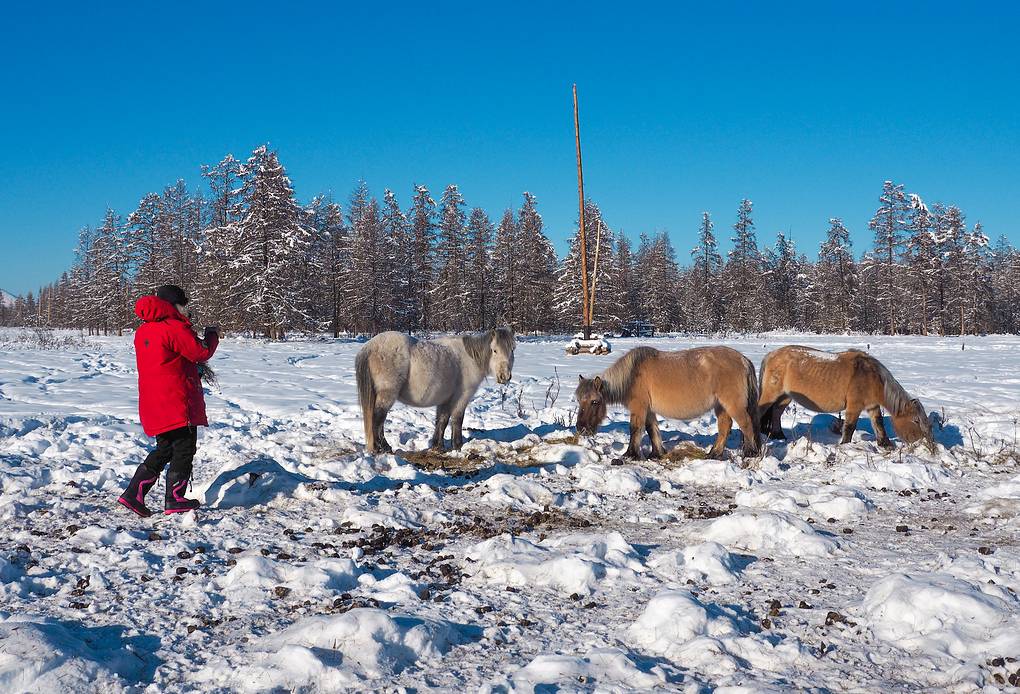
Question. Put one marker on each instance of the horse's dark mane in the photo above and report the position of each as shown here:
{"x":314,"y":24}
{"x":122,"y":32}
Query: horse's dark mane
{"x":620,"y":376}
{"x":897,"y":400}
{"x":477,"y":344}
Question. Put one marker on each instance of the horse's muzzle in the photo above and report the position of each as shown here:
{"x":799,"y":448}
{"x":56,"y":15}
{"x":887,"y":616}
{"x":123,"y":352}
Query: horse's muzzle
{"x":503,"y":378}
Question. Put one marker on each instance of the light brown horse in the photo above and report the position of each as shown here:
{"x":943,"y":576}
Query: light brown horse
{"x":853,"y":381}
{"x":678,"y":385}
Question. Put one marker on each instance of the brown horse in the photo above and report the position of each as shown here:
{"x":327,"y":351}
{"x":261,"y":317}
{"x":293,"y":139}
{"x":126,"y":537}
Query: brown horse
{"x":853,"y":381}
{"x":679,"y":385}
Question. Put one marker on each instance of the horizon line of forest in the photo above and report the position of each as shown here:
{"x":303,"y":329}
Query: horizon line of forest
{"x":254,"y":259}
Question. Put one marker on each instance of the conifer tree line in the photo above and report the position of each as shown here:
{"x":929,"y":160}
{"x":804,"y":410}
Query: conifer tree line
{"x":257,"y":261}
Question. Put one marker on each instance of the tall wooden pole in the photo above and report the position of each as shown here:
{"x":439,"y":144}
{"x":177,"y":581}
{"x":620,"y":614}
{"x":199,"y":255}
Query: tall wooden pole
{"x":595,"y":271}
{"x":585,"y":318}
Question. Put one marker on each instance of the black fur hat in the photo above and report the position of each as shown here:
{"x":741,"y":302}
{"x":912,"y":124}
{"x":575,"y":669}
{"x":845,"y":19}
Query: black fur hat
{"x":172,"y":294}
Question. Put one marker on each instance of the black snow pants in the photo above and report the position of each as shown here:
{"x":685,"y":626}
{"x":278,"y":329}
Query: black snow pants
{"x":176,"y":447}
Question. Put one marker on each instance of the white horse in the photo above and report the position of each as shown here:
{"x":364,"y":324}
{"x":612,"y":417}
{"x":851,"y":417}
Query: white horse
{"x":442,"y":373}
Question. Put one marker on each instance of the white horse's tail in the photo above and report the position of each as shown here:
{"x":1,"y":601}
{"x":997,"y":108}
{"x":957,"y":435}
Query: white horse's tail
{"x":367,"y":397}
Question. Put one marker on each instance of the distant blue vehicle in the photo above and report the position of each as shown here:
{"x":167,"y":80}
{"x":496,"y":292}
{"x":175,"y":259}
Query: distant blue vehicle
{"x":637,"y":328}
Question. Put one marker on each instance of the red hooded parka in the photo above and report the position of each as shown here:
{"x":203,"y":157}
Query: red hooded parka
{"x":167,"y":350}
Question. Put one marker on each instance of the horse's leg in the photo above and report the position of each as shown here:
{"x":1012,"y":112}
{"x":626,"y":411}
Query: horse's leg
{"x":381,"y":444}
{"x":875,"y":414}
{"x":654,"y":436}
{"x":638,"y":417}
{"x":750,"y":446}
{"x":725,"y":425}
{"x":457,"y":428}
{"x":442,"y":419}
{"x":383,"y":404}
{"x":853,"y":413}
{"x":776,"y":425}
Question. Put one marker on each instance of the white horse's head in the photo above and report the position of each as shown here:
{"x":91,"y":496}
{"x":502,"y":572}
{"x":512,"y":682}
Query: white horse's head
{"x":501,"y":362}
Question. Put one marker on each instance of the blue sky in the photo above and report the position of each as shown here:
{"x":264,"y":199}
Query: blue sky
{"x":804,"y":108}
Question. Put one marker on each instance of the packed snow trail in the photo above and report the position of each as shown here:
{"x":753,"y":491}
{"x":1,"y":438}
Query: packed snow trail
{"x":526,"y":560}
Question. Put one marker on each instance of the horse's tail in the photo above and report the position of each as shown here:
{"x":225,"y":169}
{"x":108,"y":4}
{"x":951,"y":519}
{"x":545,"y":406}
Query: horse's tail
{"x":765,"y":420}
{"x":752,"y":442}
{"x":367,"y":397}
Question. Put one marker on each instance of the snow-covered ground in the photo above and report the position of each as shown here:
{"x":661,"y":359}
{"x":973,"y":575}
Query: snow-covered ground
{"x":528,"y":563}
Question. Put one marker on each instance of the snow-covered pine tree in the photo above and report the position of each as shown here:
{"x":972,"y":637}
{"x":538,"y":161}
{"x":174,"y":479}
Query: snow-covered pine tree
{"x":867,"y":313}
{"x":705,"y":296}
{"x":369,"y":283}
{"x":537,"y":269}
{"x":889,"y":225}
{"x":743,"y":286}
{"x":659,"y":279}
{"x":921,"y":261}
{"x":506,"y":271}
{"x":81,"y":312}
{"x":567,"y":290}
{"x":229,"y":184}
{"x":976,"y":283}
{"x":831,"y":295}
{"x":627,"y":284}
{"x":148,"y":244}
{"x":270,"y":246}
{"x":226,"y":183}
{"x":784,"y":283}
{"x":317,"y":266}
{"x":451,"y":290}
{"x":422,"y":258}
{"x":950,"y":236}
{"x":399,"y":257}
{"x":107,"y":283}
{"x":1004,"y":270}
{"x":480,"y":282}
{"x":182,"y":228}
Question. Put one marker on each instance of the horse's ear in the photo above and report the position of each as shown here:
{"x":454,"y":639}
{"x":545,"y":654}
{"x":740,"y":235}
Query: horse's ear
{"x":599,"y":383}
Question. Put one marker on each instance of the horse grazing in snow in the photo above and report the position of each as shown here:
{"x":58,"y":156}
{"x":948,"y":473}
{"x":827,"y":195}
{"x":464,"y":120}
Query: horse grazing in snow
{"x":443,"y":373}
{"x":835,"y":381}
{"x":678,"y":385}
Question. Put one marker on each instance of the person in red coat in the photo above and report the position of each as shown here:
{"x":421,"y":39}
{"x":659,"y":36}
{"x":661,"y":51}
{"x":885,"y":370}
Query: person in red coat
{"x":170,"y":401}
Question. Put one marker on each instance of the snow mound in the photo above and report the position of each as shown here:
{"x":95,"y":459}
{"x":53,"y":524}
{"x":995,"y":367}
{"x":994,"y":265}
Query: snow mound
{"x":615,"y":481}
{"x":940,"y":614}
{"x":253,"y":576}
{"x":999,"y":500}
{"x":879,"y":473}
{"x":770,"y":531}
{"x":808,"y":500}
{"x":708,"y":563}
{"x":996,"y":574}
{"x":601,"y":668}
{"x":377,"y":642}
{"x":563,"y":454}
{"x":708,"y":637}
{"x":712,"y":473}
{"x":571,"y":564}
{"x":361,"y":514}
{"x":256,"y":483}
{"x":520,"y":494}
{"x":41,"y":654}
{"x":324,"y":653}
